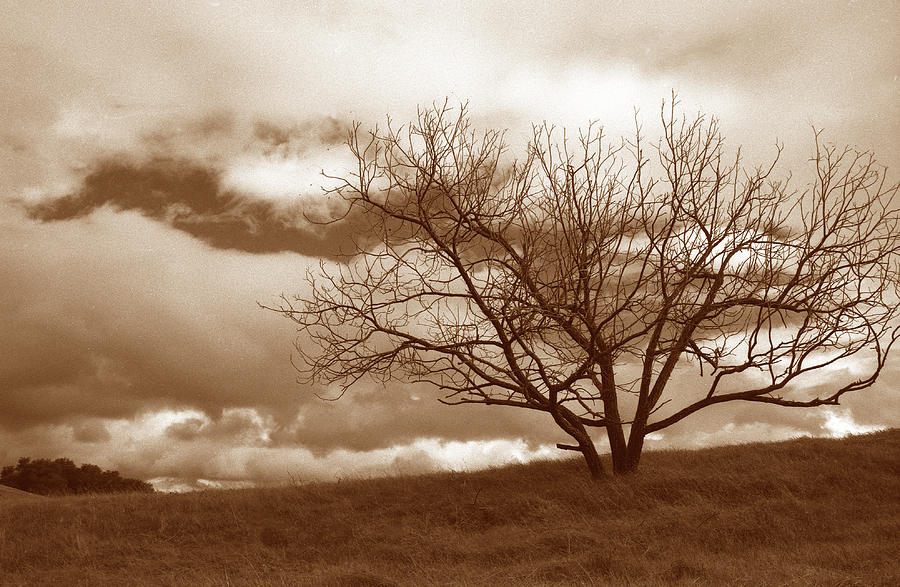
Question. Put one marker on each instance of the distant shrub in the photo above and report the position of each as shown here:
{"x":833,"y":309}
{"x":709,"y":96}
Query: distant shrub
{"x":62,"y":477}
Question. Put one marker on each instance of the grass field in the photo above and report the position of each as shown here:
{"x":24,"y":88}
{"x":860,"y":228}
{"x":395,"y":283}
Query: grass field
{"x":802,"y":512}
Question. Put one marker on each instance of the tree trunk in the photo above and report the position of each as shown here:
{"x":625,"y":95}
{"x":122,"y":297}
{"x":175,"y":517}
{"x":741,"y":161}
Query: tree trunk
{"x":618,"y":449}
{"x":614,"y":430}
{"x":635,"y":447}
{"x":592,"y":459}
{"x":568,"y":422}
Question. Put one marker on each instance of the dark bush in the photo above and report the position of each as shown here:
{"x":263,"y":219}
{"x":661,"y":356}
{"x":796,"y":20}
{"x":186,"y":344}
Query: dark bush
{"x":62,"y":477}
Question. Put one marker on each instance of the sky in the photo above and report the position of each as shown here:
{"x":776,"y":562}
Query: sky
{"x":158,"y":161}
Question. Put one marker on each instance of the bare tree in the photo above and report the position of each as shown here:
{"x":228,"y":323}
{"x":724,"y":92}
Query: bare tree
{"x":583,"y":278}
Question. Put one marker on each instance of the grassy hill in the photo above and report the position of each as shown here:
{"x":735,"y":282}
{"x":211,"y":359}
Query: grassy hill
{"x":803,"y":512}
{"x":10,"y":493}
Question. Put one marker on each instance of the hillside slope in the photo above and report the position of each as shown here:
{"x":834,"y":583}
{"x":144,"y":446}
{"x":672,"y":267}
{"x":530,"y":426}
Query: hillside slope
{"x":802,"y":512}
{"x":11,"y":493}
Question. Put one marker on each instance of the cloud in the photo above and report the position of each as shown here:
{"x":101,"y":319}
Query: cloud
{"x":90,"y":432}
{"x":189,"y":197}
{"x":112,"y":313}
{"x":871,"y":409}
{"x":169,"y":152}
{"x":840,"y":424}
{"x":299,"y":137}
{"x":201,"y":455}
{"x":235,"y":183}
{"x":186,"y":429}
{"x":244,"y":426}
{"x":371,"y":419}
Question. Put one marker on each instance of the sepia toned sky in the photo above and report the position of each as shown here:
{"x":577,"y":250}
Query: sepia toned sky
{"x":157,"y":160}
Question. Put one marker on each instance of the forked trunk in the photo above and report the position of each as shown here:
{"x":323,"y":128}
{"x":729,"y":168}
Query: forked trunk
{"x":622,"y":458}
{"x":614,"y":430}
{"x":635,"y":446}
{"x":625,"y":457}
{"x":618,"y":449}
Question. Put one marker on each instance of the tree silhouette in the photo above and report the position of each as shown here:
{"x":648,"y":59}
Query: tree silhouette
{"x":614,"y":286}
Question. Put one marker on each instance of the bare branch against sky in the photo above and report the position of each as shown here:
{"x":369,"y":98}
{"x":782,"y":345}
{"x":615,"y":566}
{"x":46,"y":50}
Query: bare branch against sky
{"x":161,"y":173}
{"x":582,"y":279}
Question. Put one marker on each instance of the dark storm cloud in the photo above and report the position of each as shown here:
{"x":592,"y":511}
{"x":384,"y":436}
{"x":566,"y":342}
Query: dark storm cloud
{"x":90,"y":432}
{"x":189,"y":197}
{"x":116,"y":315}
{"x":379,"y":418}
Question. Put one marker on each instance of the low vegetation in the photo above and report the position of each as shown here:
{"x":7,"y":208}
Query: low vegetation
{"x":62,"y":477}
{"x":802,"y":512}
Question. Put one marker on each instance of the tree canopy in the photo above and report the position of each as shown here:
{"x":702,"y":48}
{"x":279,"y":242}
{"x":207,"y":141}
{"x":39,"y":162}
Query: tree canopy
{"x":615,"y":285}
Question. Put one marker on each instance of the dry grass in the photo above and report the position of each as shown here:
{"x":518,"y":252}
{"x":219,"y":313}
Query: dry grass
{"x":9,"y":493}
{"x":804,"y":512}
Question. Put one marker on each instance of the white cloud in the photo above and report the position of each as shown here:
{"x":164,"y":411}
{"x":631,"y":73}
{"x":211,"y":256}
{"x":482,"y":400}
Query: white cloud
{"x":732,"y":433}
{"x":286,"y":179}
{"x":840,"y":424}
{"x":227,"y":459}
